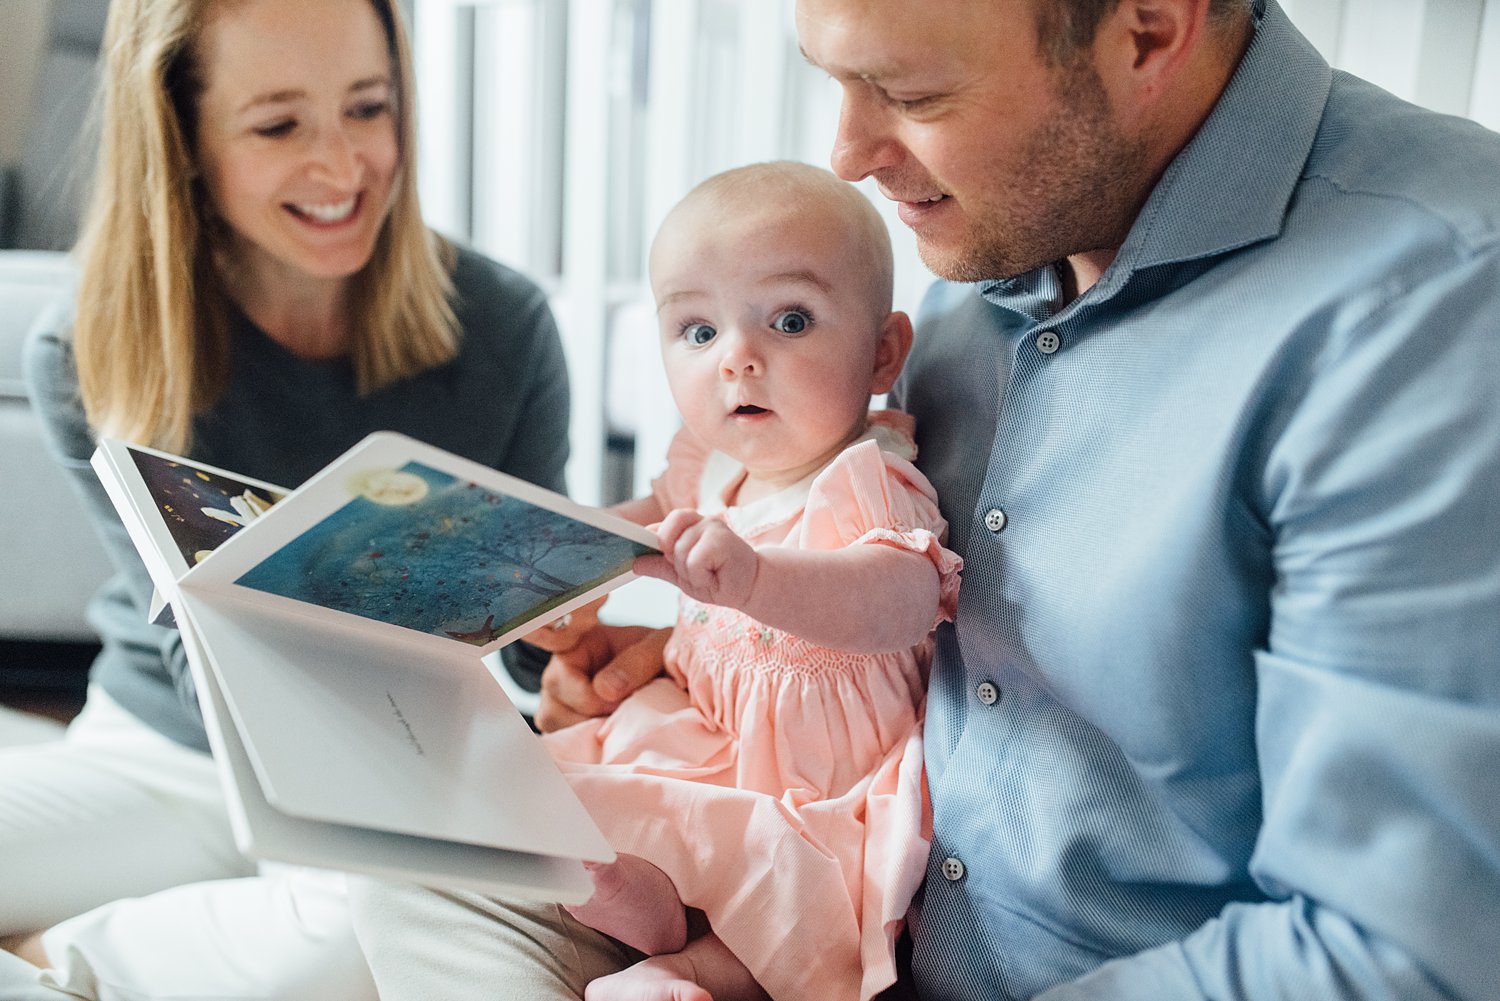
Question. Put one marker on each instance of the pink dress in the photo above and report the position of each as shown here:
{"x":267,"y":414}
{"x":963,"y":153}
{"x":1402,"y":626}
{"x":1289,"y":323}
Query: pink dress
{"x":779,"y":784}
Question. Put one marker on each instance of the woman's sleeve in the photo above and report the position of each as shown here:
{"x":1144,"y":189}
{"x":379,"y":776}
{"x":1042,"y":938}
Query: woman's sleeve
{"x":539,"y":452}
{"x":52,"y":384}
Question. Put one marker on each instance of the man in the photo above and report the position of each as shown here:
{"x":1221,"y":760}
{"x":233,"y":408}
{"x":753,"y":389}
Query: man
{"x":1216,"y":428}
{"x":1218,"y":435}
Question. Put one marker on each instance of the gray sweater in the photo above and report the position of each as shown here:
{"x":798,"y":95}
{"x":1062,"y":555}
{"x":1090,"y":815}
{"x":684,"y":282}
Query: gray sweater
{"x":502,"y":401}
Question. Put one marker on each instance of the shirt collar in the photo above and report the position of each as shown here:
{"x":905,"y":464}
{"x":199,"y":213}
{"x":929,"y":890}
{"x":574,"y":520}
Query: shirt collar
{"x":1255,"y":142}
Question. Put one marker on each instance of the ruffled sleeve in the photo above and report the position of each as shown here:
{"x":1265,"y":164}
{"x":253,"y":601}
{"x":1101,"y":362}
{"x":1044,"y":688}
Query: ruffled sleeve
{"x":677,"y":486}
{"x":868,"y":495}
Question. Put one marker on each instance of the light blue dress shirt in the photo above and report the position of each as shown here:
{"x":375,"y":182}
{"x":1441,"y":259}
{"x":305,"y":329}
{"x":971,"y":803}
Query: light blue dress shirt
{"x":1220,"y":716}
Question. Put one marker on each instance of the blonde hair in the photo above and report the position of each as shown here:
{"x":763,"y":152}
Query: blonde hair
{"x":151,"y":334}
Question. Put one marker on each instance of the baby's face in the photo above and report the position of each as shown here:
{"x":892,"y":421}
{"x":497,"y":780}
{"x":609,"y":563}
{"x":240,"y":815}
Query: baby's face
{"x":768,"y":333}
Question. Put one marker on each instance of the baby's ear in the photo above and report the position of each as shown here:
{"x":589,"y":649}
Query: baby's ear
{"x":891,"y":351}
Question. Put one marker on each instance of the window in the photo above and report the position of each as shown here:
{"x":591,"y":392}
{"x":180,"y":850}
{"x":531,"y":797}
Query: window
{"x":555,"y":134}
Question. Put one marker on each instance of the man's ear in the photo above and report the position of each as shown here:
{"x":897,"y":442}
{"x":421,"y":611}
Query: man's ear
{"x":1143,"y":46}
{"x":891,"y":351}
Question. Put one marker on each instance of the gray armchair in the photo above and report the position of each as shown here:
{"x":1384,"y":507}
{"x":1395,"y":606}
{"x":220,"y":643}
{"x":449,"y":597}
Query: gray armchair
{"x":51,"y":562}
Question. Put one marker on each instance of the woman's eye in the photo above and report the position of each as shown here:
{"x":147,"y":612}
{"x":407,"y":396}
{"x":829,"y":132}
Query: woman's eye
{"x":698,"y":333}
{"x":792,"y":321}
{"x":276,"y":130}
{"x":370,"y":109}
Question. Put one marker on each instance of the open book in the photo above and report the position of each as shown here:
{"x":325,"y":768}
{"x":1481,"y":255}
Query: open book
{"x":344,"y":639}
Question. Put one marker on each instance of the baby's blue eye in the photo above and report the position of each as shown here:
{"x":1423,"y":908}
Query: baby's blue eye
{"x":792,"y":321}
{"x":698,"y":333}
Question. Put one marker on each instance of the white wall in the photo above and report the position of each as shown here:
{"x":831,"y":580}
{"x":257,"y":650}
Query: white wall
{"x":21,"y":26}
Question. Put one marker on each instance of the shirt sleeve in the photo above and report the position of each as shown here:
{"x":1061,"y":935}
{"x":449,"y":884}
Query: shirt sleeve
{"x":1378,"y":689}
{"x":52,"y":384}
{"x":540,"y":454}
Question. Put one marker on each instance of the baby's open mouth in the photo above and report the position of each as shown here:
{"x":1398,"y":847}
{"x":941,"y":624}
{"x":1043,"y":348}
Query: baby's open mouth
{"x":749,"y":408}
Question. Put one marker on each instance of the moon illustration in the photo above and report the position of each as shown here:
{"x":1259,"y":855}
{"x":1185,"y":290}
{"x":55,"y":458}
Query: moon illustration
{"x":390,"y":487}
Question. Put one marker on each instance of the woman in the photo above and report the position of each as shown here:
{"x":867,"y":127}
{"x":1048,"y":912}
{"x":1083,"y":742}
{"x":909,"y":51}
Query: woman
{"x":258,"y":291}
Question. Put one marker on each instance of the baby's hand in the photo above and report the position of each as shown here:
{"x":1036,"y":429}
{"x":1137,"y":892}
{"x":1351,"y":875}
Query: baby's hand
{"x":704,"y":558}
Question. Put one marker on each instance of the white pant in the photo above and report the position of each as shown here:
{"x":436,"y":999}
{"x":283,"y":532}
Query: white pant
{"x":95,"y":824}
{"x":452,"y":945}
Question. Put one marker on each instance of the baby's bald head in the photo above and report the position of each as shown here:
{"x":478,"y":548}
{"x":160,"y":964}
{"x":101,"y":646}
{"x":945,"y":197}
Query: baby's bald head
{"x":781,"y":189}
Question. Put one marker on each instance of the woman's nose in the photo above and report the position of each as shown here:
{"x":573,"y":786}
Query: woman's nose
{"x":336,"y":158}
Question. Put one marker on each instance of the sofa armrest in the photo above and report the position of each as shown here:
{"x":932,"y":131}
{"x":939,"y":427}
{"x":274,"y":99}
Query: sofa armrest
{"x":48,"y":548}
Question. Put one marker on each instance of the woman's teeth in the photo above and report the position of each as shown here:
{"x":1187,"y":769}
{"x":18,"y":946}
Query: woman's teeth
{"x":334,"y":212}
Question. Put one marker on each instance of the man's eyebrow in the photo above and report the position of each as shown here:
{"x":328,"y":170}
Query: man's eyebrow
{"x":295,"y":93}
{"x":872,"y":74}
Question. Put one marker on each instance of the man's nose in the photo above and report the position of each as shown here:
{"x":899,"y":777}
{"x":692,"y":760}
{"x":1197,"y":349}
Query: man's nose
{"x":863,"y":143}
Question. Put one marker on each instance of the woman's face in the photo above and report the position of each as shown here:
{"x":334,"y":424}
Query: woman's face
{"x":297,"y":133}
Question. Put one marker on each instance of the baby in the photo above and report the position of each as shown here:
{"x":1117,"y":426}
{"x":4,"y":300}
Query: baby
{"x":772,"y":779}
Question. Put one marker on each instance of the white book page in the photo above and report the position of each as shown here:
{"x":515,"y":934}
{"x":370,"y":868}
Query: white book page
{"x":385,"y":735}
{"x":262,"y":831}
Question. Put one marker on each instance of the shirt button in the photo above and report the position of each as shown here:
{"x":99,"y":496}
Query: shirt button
{"x":995,"y":520}
{"x":988,"y":693}
{"x":953,"y":869}
{"x":1048,"y":341}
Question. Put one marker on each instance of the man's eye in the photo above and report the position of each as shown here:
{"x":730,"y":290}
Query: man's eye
{"x":913,"y":103}
{"x":698,"y":333}
{"x":792,"y":321}
{"x":276,"y":130}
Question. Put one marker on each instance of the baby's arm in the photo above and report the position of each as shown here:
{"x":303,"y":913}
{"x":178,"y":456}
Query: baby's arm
{"x":866,"y":598}
{"x":641,"y":510}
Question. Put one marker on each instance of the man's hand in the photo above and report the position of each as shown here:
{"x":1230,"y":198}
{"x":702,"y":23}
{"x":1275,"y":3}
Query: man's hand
{"x":704,"y":558}
{"x":567,"y":631}
{"x":595,"y":675}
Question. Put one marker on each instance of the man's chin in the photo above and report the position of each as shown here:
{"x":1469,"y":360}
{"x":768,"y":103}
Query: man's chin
{"x":967,"y":264}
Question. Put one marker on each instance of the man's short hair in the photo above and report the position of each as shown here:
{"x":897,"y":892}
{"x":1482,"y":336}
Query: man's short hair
{"x":1066,"y":27}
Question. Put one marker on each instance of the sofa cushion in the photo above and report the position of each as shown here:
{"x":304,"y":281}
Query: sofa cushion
{"x":29,"y":281}
{"x":49,"y":553}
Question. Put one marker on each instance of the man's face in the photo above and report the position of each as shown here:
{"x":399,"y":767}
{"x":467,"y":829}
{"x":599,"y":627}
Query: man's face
{"x":999,"y":162}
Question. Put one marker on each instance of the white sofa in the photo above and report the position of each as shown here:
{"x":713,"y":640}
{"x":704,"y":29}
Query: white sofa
{"x":50,"y":559}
